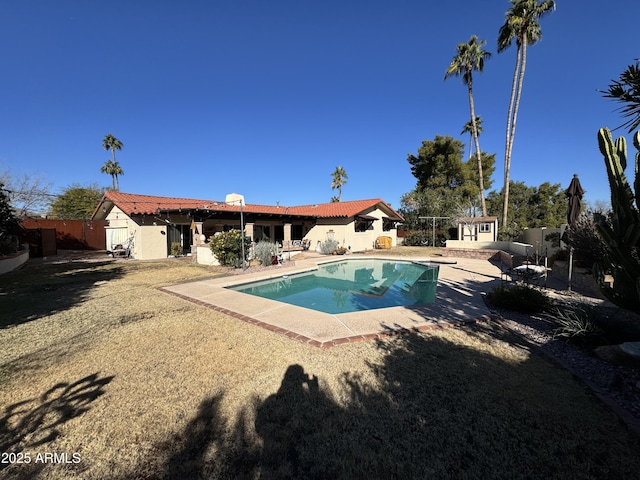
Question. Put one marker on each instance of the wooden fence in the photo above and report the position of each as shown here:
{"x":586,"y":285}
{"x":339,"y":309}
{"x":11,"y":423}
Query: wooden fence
{"x":73,"y":234}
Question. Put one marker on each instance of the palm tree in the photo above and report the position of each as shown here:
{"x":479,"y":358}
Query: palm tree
{"x":108,"y":169}
{"x":117,"y":170}
{"x":471,"y":58}
{"x":626,"y":90}
{"x":112,"y":143}
{"x":338,"y":179}
{"x":468,"y":128}
{"x":521,"y":23}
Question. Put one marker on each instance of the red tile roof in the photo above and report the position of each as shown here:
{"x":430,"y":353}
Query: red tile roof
{"x":131,"y":204}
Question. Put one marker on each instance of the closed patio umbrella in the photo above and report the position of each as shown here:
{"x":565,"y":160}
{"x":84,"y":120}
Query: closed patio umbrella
{"x":574,"y":194}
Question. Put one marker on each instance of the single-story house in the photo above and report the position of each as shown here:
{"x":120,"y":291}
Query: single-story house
{"x":478,"y":229}
{"x":149,"y":225}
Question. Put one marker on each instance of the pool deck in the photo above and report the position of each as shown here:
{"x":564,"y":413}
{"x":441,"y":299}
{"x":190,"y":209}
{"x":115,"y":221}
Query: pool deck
{"x":458,"y":301}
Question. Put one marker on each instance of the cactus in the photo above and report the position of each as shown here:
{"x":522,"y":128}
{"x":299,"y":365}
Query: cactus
{"x":620,"y":232}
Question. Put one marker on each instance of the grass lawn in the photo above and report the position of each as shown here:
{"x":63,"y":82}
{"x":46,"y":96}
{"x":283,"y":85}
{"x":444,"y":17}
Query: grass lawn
{"x":122,"y":381}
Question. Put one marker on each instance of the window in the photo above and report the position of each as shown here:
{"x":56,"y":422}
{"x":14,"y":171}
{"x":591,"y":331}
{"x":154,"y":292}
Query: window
{"x":485,"y":228}
{"x":388,"y":224}
{"x":363,"y":223}
{"x":262,"y":232}
{"x":296,"y":232}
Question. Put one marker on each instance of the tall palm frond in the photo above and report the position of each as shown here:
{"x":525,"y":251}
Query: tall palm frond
{"x":626,"y":90}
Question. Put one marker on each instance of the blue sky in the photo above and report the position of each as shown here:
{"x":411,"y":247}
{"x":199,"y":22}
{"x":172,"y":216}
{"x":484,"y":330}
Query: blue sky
{"x":266,"y":98}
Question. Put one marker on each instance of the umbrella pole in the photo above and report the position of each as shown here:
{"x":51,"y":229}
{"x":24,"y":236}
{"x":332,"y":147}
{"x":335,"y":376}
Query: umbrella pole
{"x":570,"y":268}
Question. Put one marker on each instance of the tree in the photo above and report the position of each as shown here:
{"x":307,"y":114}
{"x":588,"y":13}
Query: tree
{"x":522,"y":25}
{"x":471,"y":185}
{"x":112,"y":167}
{"x":542,"y":206}
{"x":444,"y":183}
{"x":438,"y":164}
{"x":471,"y":58}
{"x":28,"y":194}
{"x":468,"y":128}
{"x":338,"y":179}
{"x":109,"y":170}
{"x":76,"y":202}
{"x":9,"y":224}
{"x":626,"y":90}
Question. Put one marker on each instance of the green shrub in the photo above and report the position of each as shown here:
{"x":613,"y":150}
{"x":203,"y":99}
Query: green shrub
{"x":328,"y":246}
{"x":176,"y":249}
{"x":587,"y":243}
{"x":519,"y":298}
{"x":416,"y":238}
{"x":578,"y":324}
{"x":264,"y":250}
{"x":227,"y":247}
{"x":8,"y":244}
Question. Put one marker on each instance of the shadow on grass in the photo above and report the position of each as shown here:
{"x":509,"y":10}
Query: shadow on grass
{"x":40,"y":289}
{"x":430,"y":408}
{"x":36,"y":421}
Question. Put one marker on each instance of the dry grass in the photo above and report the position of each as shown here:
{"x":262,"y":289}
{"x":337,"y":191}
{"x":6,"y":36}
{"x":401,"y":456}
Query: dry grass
{"x":144,"y":385}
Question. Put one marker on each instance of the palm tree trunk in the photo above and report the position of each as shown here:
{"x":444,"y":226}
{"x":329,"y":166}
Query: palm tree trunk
{"x":478,"y":154}
{"x":509,"y":139}
{"x":523,"y":65}
{"x":116,"y":184}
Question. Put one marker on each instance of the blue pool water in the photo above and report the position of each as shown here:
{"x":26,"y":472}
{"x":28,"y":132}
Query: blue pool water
{"x":351,"y":286}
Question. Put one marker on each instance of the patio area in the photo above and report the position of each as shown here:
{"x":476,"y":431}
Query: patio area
{"x":459,"y":300}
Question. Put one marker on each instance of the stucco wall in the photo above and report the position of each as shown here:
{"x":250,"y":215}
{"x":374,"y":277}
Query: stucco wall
{"x":514,"y":247}
{"x":9,"y":263}
{"x":204,"y":255}
{"x":343,"y":230}
{"x":535,"y":237}
{"x":151,"y":242}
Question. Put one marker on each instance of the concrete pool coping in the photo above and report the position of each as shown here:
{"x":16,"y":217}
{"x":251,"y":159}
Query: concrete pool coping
{"x":461,"y":283}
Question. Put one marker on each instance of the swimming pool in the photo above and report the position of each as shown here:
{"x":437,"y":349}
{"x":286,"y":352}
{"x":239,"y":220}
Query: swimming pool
{"x":351,"y":285}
